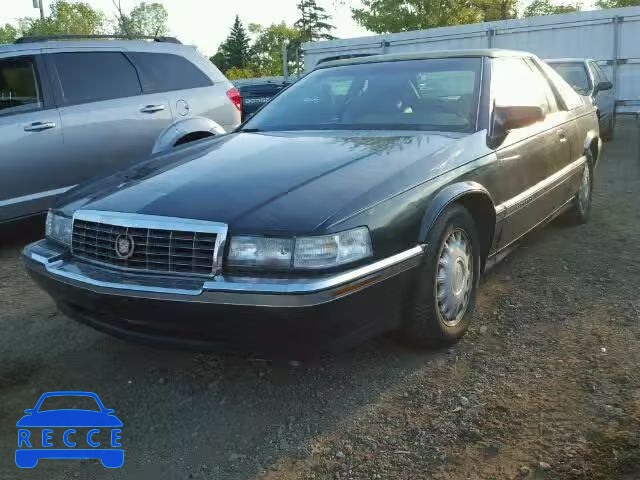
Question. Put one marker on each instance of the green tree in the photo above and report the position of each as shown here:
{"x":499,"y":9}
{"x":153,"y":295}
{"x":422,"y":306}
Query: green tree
{"x":234,"y":51}
{"x":616,"y":3}
{"x":497,"y":9}
{"x":313,"y":22}
{"x":544,"y":7}
{"x":266,"y":51}
{"x":8,"y":33}
{"x":387,"y":16}
{"x":144,"y":20}
{"x":66,"y":18}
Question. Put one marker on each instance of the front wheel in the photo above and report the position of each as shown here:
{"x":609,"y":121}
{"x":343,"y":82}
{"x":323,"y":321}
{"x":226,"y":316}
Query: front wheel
{"x":443,"y":300}
{"x":581,"y":206}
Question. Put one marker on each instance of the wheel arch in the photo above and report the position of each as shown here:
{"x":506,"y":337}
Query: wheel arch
{"x":183,"y":128}
{"x":476,"y":199}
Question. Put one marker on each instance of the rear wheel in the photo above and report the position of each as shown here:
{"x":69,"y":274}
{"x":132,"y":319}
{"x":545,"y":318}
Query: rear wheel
{"x":442,"y":304}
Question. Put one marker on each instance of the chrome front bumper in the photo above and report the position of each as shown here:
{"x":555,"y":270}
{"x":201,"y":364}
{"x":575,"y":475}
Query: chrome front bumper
{"x":46,"y":258}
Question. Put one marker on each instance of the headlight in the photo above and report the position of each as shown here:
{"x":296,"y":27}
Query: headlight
{"x":303,"y":253}
{"x":59,"y":228}
{"x":265,"y":252}
{"x":332,"y":250}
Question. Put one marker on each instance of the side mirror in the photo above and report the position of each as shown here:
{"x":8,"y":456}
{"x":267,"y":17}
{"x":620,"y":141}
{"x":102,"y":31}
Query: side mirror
{"x":29,"y":411}
{"x":510,"y":118}
{"x":109,"y":411}
{"x":604,"y":86}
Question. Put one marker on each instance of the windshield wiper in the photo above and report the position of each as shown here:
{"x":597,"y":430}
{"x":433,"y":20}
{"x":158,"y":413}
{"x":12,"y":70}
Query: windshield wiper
{"x":252,"y":130}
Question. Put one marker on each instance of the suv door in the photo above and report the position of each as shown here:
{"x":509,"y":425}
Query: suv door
{"x":530,"y":158}
{"x":108,"y":123}
{"x":191,"y":91}
{"x":32,"y":161}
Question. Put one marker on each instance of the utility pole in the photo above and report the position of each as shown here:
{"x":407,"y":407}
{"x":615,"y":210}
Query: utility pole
{"x":39,"y":4}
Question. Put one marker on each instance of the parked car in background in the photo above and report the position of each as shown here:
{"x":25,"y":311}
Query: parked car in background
{"x":256,"y":93}
{"x":367,"y":197}
{"x":588,"y":79}
{"x":74,"y":109}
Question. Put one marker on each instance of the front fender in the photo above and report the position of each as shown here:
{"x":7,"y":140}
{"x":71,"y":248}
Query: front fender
{"x":445,"y":197}
{"x":177,"y":130}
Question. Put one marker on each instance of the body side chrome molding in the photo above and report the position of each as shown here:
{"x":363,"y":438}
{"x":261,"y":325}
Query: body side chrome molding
{"x":247,"y":291}
{"x":35,"y":196}
{"x":531,"y":194}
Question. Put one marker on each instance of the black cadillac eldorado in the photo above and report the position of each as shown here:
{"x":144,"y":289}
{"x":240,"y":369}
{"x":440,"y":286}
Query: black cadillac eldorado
{"x":368,"y":197}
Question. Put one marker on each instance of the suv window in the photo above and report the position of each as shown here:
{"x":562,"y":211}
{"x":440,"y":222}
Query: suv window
{"x":95,"y":76}
{"x":19,"y":90}
{"x":164,"y":72}
{"x":514,"y":83}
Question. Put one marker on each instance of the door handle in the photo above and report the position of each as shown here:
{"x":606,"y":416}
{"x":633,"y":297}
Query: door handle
{"x":152,"y":108}
{"x":562,"y":135}
{"x":39,"y":126}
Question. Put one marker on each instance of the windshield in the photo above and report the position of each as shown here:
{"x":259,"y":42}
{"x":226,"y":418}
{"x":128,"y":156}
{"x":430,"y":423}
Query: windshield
{"x":75,"y":402}
{"x":429,"y":94}
{"x":575,"y":75}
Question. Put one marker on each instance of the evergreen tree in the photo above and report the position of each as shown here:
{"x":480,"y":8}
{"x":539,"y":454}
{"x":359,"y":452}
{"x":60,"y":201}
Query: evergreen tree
{"x":234,"y":51}
{"x":313,"y":22}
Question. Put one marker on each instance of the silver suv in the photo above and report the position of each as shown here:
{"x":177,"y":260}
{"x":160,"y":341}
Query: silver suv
{"x":75,"y":109}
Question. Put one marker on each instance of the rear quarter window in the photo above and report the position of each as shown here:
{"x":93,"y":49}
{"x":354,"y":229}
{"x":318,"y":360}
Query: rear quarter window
{"x":569,"y":96}
{"x":165,"y":72}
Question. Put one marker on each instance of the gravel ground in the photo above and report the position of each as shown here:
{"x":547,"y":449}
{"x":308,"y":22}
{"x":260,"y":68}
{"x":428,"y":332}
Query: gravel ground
{"x":545,"y":385}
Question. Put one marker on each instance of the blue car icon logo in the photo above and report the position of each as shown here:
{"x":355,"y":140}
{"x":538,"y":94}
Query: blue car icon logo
{"x":92,"y":431}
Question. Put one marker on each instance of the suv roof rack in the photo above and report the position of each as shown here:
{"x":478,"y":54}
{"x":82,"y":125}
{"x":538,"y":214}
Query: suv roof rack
{"x":53,"y":38}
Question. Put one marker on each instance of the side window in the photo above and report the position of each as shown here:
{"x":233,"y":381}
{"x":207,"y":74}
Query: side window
{"x":165,"y":72}
{"x":95,"y":76}
{"x":19,"y":91}
{"x":544,"y":86}
{"x":514,"y":83}
{"x":569,"y":96}
{"x":595,"y":71}
{"x":601,"y":74}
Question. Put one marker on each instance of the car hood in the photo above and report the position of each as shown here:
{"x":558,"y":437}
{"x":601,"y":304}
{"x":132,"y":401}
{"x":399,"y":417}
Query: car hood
{"x":277,"y":182}
{"x":69,"y":418}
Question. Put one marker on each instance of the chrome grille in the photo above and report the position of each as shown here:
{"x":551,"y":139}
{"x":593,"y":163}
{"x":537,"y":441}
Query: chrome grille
{"x":159,"y":250}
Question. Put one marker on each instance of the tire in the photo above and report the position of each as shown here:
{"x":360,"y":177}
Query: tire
{"x":430,"y":322}
{"x":580,"y":210}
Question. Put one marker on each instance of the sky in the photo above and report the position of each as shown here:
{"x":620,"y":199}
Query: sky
{"x":206,"y":23}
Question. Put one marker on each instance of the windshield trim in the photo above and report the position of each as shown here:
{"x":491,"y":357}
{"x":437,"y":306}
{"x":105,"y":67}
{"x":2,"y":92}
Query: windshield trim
{"x":473,"y":127}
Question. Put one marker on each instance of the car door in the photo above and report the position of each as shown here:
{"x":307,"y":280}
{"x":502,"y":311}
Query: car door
{"x":108,"y":123}
{"x":32,"y":160}
{"x":529,"y":158}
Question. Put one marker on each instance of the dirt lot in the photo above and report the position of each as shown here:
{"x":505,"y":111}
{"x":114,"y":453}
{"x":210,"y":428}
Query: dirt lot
{"x":544,"y":386}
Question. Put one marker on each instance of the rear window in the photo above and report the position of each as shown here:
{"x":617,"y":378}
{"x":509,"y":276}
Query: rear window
{"x":18,"y":86}
{"x":165,"y":72}
{"x":96,"y":76}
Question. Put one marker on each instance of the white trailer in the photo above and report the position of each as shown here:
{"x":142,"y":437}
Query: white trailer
{"x":612,"y":37}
